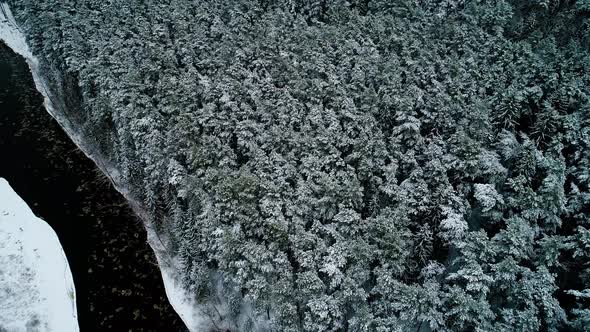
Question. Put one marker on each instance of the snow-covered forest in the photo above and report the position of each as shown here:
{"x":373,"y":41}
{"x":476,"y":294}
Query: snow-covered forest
{"x":332,"y":165}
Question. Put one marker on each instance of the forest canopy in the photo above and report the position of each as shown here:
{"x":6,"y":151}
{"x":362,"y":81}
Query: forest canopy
{"x":361,"y":165}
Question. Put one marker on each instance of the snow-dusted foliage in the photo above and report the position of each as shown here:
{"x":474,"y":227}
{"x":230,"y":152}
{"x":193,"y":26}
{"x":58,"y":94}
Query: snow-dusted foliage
{"x":453,"y":226}
{"x":487,"y":196}
{"x":36,"y":287}
{"x":330,"y":165}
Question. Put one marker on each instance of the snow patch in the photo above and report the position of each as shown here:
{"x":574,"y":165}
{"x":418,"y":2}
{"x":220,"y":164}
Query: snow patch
{"x":36,"y":287}
{"x":182,"y":303}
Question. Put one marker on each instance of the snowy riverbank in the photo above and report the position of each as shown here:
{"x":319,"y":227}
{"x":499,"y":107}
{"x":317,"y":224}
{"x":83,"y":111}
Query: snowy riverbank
{"x":36,"y":287}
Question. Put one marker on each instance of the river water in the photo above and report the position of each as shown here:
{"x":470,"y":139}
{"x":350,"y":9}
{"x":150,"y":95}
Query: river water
{"x":118,"y":283}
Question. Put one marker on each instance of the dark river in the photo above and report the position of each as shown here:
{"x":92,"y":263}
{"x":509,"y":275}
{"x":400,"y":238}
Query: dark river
{"x":118,"y":283}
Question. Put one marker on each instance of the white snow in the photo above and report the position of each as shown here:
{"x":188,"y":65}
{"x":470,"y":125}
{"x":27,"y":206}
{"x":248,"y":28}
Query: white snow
{"x":195,"y":315}
{"x":180,"y":300}
{"x":36,"y":287}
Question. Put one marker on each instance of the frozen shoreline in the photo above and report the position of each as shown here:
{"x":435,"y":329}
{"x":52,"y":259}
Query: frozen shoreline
{"x":36,"y":285}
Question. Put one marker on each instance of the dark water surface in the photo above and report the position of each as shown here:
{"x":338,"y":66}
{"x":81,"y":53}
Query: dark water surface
{"x":118,"y":283}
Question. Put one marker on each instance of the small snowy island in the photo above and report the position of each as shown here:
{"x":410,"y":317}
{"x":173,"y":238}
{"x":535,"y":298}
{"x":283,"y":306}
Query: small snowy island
{"x":36,"y":287}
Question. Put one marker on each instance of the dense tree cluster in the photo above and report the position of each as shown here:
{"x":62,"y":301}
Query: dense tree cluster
{"x":361,"y":165}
